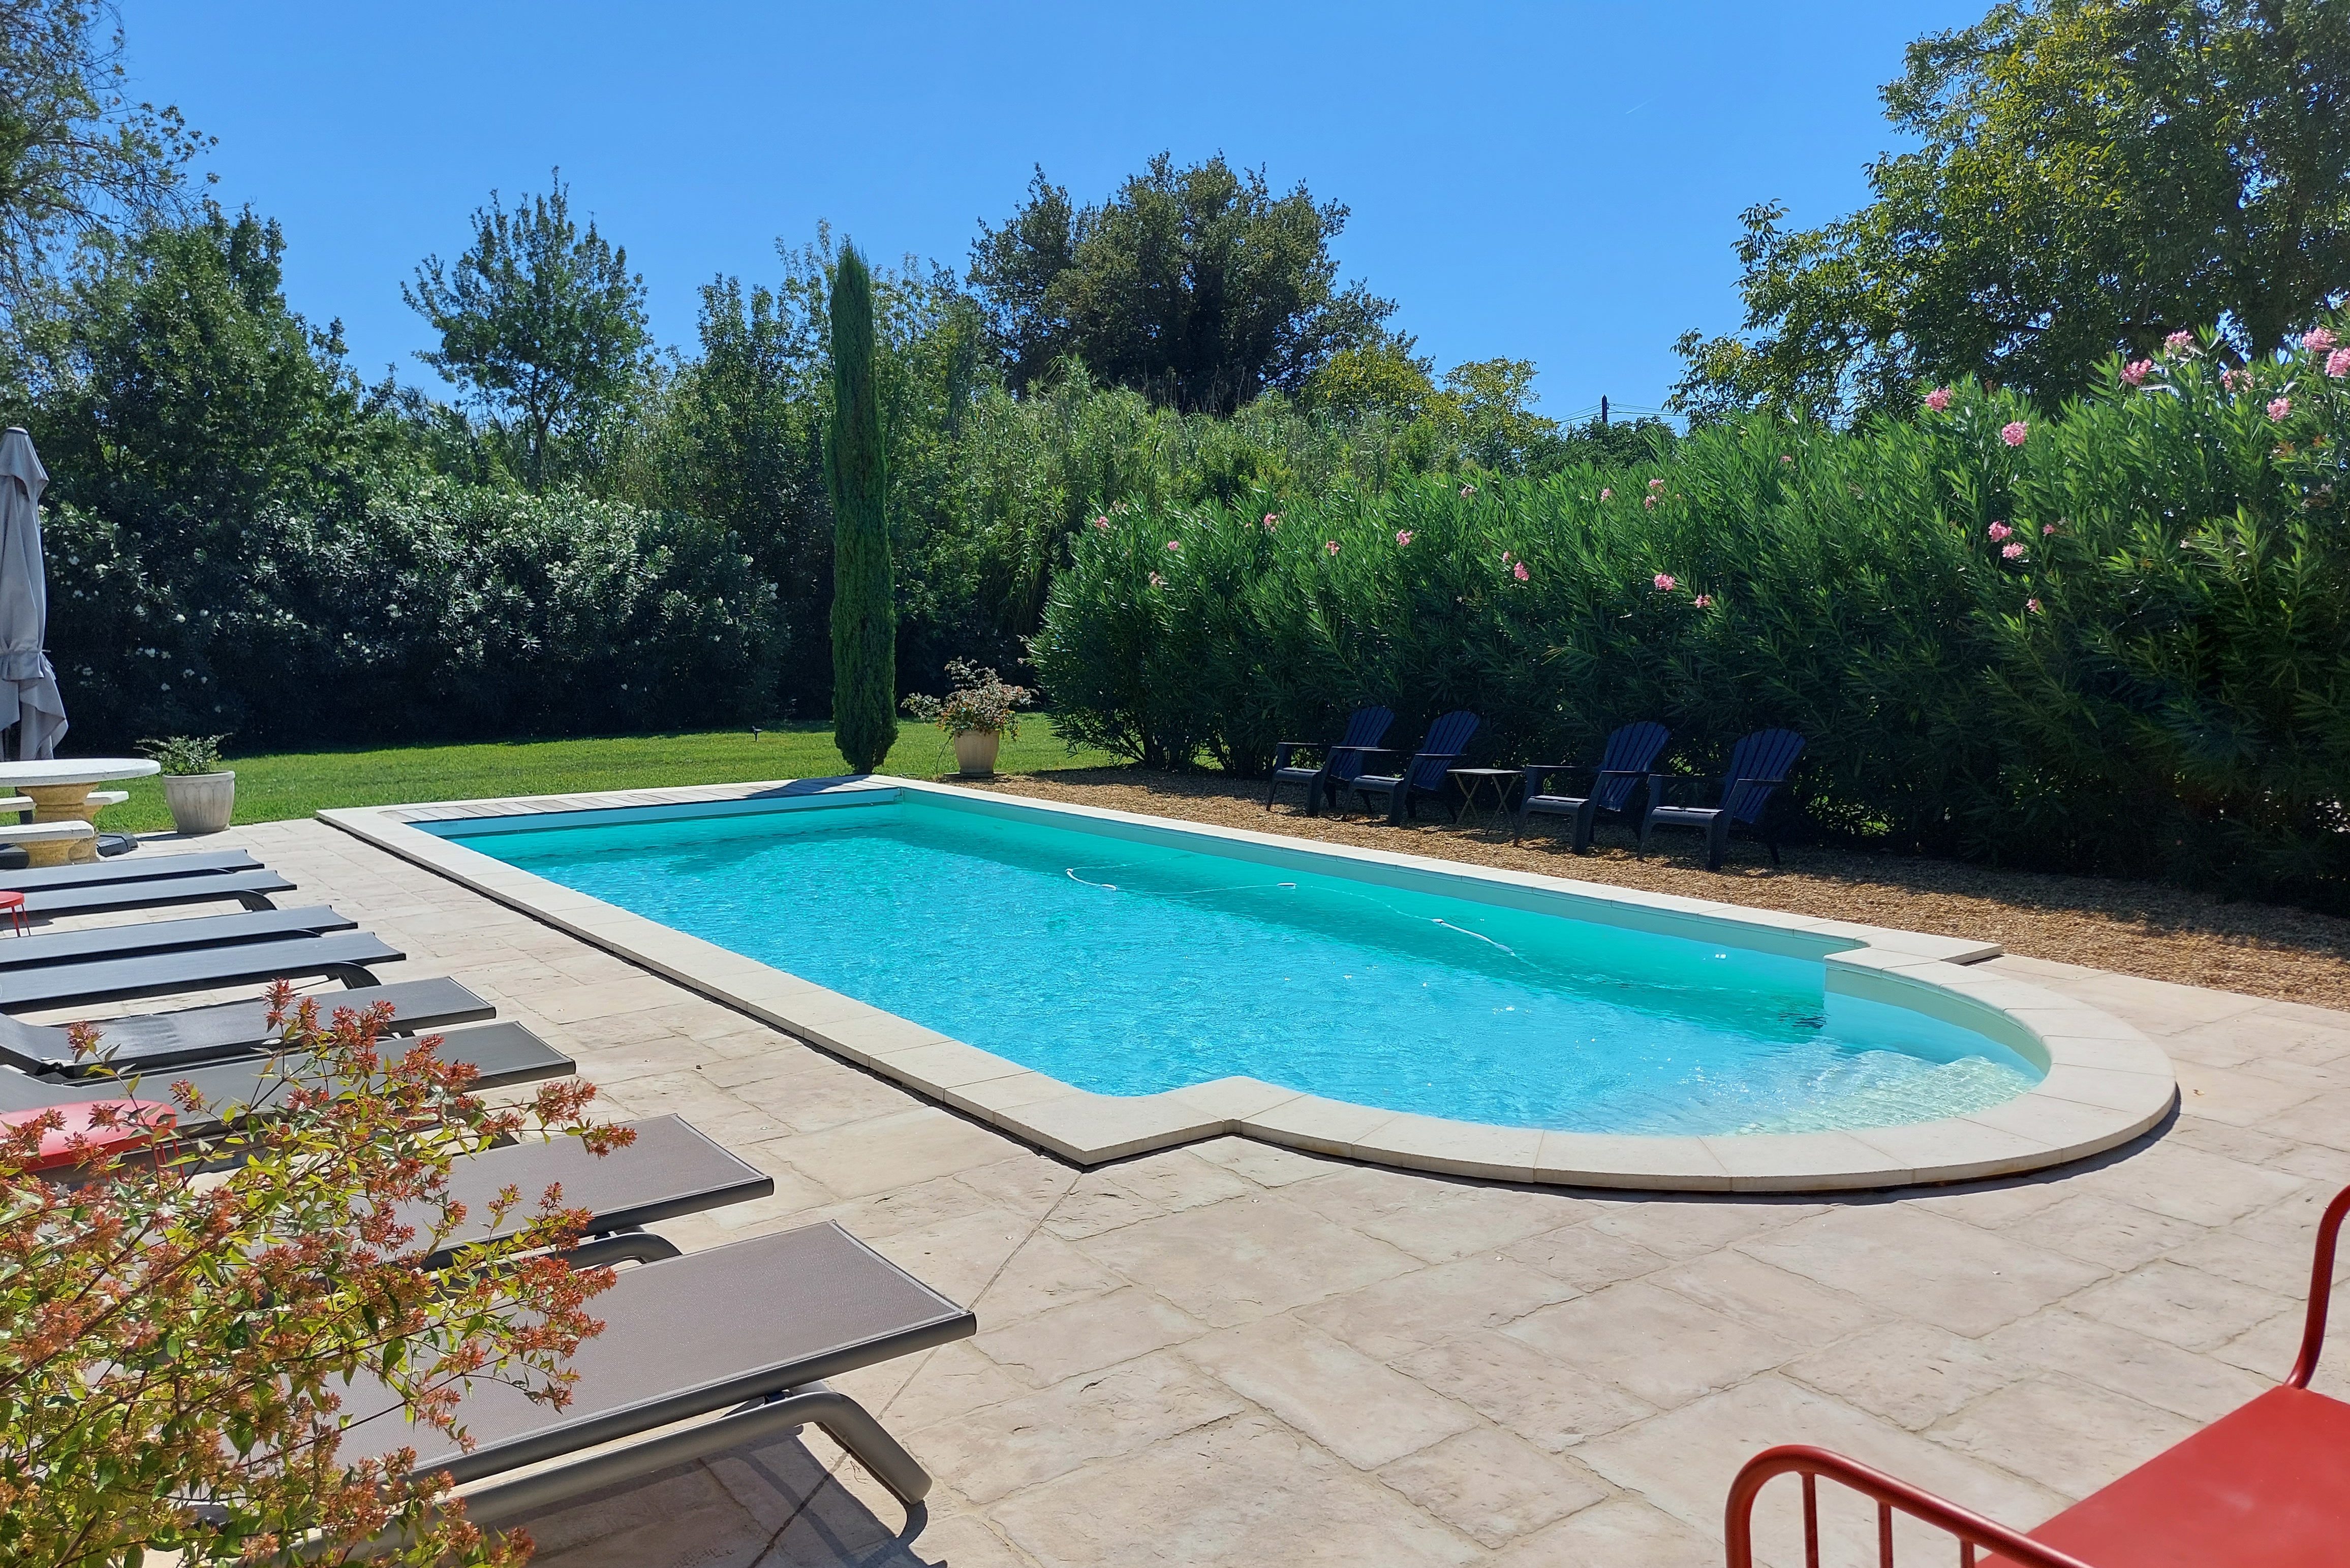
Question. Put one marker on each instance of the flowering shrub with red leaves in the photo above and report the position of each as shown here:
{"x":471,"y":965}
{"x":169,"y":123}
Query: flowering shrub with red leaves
{"x":178,"y":1315}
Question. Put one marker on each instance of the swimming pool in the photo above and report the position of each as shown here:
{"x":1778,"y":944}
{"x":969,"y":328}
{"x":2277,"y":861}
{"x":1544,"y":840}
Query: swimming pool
{"x":1131,"y":966}
{"x":1821,"y":1000}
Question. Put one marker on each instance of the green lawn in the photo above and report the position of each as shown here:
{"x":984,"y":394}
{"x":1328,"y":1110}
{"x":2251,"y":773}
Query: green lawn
{"x":295,"y":783}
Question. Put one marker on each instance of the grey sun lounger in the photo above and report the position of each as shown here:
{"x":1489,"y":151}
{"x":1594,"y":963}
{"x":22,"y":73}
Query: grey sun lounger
{"x":501,"y":1053}
{"x":745,"y":1333}
{"x":250,"y":889}
{"x":671,"y":1168}
{"x":343,"y":955}
{"x":130,"y":868}
{"x":150,"y":1041}
{"x":96,"y":943}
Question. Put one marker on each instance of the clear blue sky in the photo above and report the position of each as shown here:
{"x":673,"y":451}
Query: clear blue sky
{"x":1558,"y":183}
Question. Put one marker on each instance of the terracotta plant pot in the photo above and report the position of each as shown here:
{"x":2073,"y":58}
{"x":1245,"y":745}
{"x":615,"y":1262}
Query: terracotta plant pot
{"x":975,"y":753}
{"x":200,"y":803}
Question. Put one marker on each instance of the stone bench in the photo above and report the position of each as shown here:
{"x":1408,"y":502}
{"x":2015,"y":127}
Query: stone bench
{"x":50,"y":843}
{"x":44,"y":832}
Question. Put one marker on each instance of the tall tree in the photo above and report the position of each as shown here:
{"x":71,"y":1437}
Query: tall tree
{"x":2091,"y":175}
{"x":864,"y":610}
{"x":1197,"y":287}
{"x":194,"y":424}
{"x":543,"y":324}
{"x":177,"y":393}
{"x":76,"y":155}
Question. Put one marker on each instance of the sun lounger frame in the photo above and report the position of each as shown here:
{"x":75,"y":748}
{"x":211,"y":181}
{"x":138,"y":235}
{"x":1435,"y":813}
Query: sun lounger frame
{"x":250,"y":889}
{"x":154,"y":1042}
{"x":130,"y":868}
{"x":762,"y":1402}
{"x":101,"y":944}
{"x":345,"y":956}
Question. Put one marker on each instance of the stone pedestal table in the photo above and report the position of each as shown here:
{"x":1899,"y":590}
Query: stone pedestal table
{"x":60,"y":790}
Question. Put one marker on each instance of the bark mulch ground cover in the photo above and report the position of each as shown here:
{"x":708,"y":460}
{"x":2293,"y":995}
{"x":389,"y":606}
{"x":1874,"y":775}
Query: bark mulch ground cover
{"x":2132,"y":928}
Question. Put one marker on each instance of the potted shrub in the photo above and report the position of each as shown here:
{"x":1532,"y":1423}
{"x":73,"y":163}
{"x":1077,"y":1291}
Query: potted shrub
{"x":976,"y":713}
{"x":200,"y":792}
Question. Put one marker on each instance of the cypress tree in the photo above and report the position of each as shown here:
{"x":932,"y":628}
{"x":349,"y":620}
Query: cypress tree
{"x":864,"y":608}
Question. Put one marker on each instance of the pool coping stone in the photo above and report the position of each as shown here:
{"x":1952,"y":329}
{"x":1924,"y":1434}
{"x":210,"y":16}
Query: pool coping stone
{"x":2107,"y":1082}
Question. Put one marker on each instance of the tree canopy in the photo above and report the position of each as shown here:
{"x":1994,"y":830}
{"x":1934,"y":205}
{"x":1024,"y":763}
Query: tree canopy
{"x":864,"y":611}
{"x":76,"y":155}
{"x":2091,"y":176}
{"x":544,"y":325}
{"x":1198,"y":287}
{"x":176,"y":391}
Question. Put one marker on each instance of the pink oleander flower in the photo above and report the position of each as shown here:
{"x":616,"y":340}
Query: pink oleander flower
{"x":1703,"y":601}
{"x":2337,"y":364}
{"x":1271,"y":520}
{"x":1331,"y":545}
{"x":1403,"y":537}
{"x":1663,"y":581}
{"x":2136,"y":372}
{"x":2014,"y":433}
{"x":1649,"y":502}
{"x":1786,"y":457}
{"x":1606,"y":495}
{"x":2318,"y":339}
{"x":1156,"y":581}
{"x":2013,"y":552}
{"x":1176,"y":545}
{"x":1655,"y":485}
{"x":2279,"y":407}
{"x":1939,"y":398}
{"x":1520,"y":572}
{"x":1467,"y":491}
{"x":1102,"y":522}
{"x":1998,"y":531}
{"x":2031,"y":605}
{"x":2046,"y":529}
{"x":2179,"y":343}
{"x":2233,"y":379}
{"x":1505,"y":557}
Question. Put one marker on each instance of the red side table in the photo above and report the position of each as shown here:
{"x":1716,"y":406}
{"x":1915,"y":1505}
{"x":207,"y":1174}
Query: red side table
{"x":13,"y":902}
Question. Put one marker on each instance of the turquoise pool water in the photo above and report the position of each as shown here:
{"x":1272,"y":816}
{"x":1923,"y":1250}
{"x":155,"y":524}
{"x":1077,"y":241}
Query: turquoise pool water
{"x":1129,"y":967}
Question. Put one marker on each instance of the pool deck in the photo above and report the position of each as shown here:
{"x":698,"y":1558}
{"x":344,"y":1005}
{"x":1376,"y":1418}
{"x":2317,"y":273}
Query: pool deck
{"x":1236,"y":1354}
{"x":2105,"y":1082}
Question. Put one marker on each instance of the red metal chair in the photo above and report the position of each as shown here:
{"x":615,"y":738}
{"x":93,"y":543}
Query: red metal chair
{"x":136,"y":1125}
{"x":13,"y":904}
{"x":2266,"y":1486}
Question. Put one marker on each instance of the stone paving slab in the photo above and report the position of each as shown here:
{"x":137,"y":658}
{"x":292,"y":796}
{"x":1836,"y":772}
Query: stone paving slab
{"x":1232,"y":1354}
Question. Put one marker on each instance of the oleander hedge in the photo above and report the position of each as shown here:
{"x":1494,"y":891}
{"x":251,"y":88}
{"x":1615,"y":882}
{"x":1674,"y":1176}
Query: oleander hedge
{"x":2112,"y":639}
{"x":452,"y":611}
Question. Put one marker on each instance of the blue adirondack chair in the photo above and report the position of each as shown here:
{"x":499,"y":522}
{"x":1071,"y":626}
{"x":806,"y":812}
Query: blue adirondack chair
{"x":1630,"y":752}
{"x":1339,"y":765}
{"x":1427,"y":774}
{"x":1759,"y":765}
